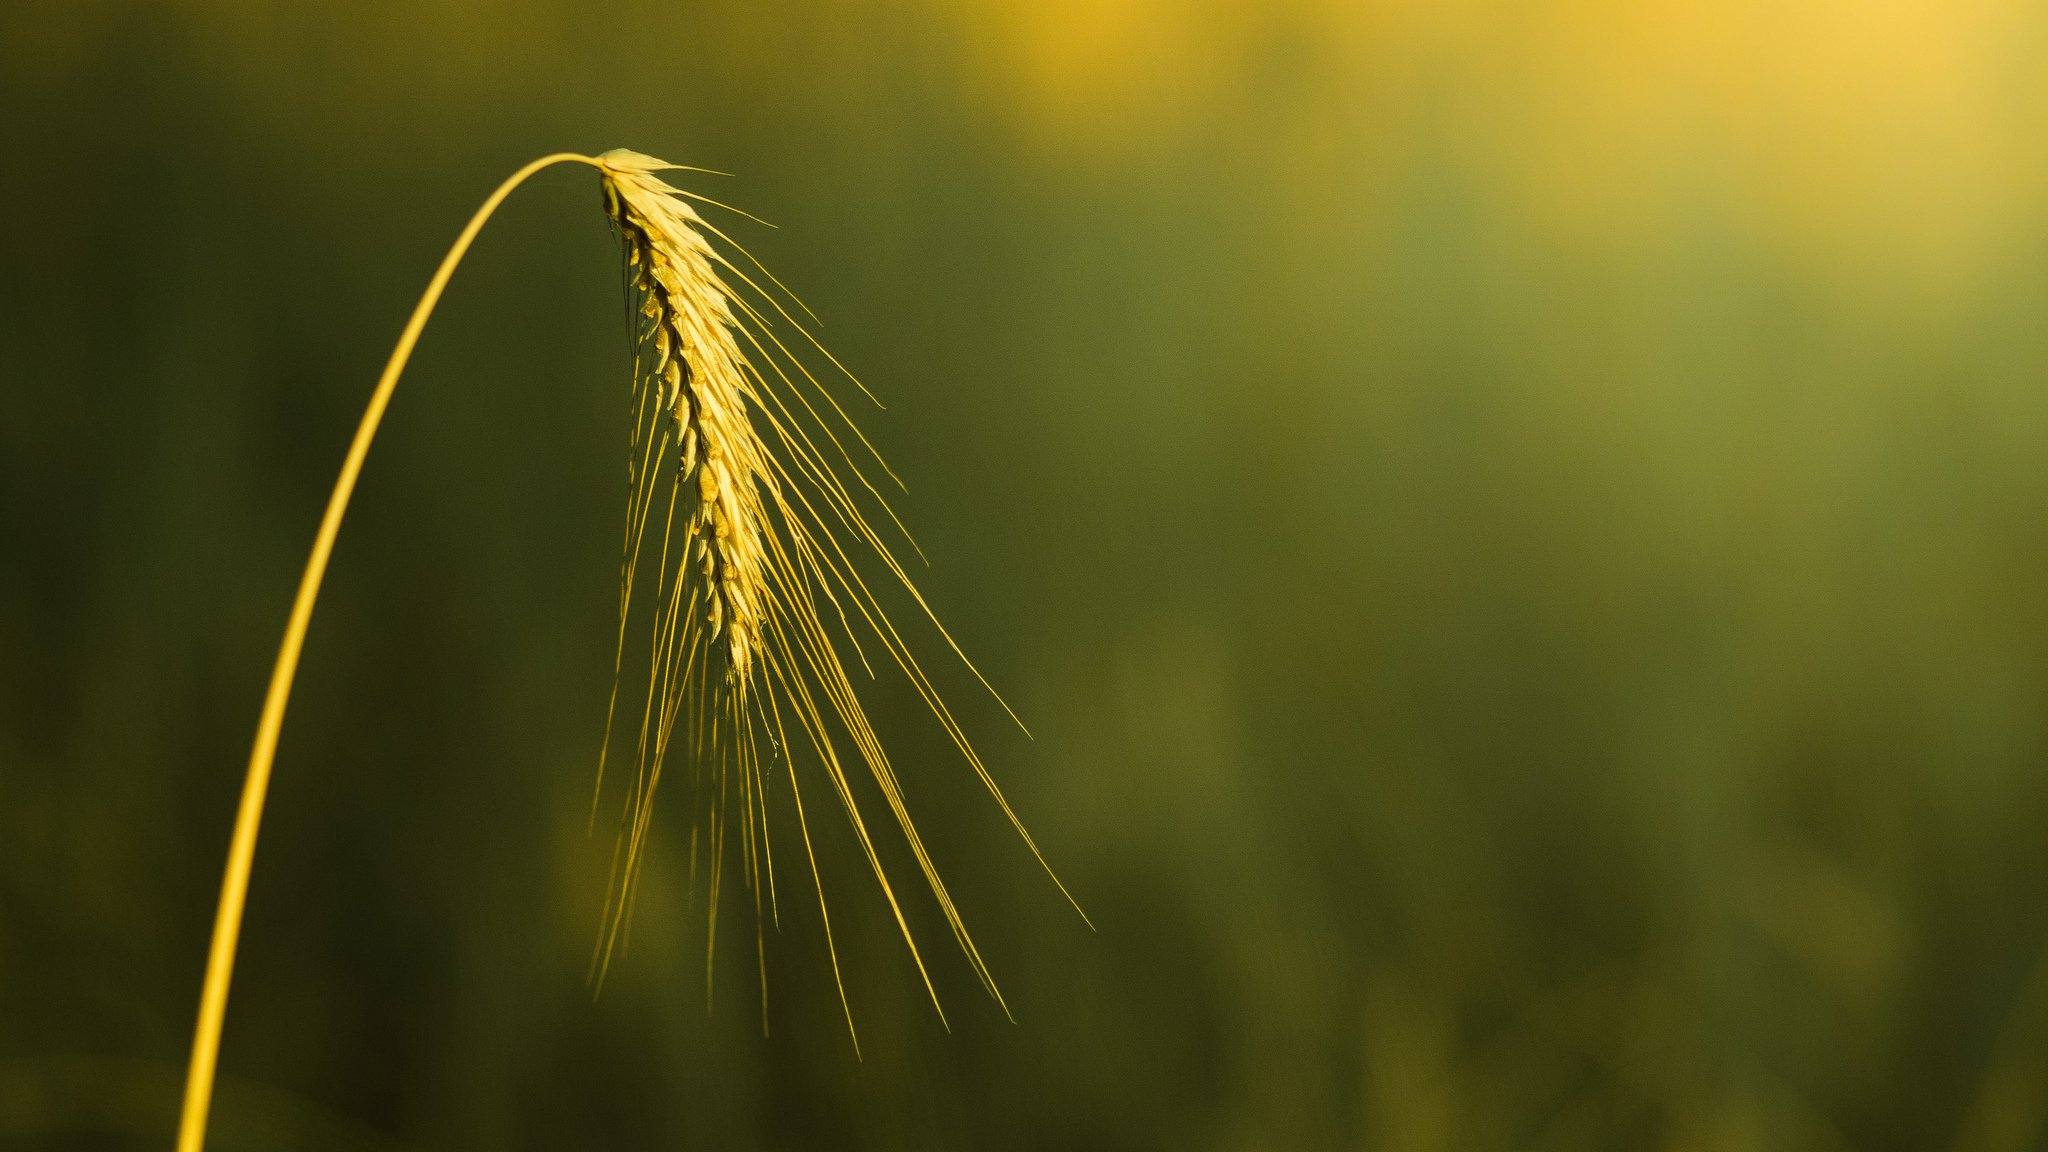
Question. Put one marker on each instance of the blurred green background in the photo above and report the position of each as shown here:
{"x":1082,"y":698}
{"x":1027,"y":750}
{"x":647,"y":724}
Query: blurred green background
{"x":1519,"y":530}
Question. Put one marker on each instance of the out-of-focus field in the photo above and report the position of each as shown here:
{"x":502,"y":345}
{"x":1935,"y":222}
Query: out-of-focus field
{"x":1520,"y":530}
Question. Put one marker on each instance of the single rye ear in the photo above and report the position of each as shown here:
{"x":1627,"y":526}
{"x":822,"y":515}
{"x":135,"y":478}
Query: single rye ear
{"x":743,"y":487}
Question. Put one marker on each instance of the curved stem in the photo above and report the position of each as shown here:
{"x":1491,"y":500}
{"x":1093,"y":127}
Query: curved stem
{"x":234,"y":887}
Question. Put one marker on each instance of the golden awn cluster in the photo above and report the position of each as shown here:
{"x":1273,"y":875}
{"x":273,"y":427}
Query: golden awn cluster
{"x":752,"y":561}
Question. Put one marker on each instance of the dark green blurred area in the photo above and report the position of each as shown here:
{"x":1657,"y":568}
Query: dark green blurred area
{"x":1519,"y":534}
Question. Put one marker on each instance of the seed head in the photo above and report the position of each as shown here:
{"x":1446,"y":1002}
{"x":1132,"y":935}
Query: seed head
{"x":698,"y":379}
{"x":740,"y":445}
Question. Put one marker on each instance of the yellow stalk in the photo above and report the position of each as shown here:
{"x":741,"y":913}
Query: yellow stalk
{"x":234,"y":887}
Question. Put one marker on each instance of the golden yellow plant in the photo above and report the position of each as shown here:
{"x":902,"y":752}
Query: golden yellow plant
{"x":753,"y":535}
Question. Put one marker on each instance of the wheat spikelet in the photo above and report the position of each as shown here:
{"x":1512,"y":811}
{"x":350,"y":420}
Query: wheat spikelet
{"x":749,"y":531}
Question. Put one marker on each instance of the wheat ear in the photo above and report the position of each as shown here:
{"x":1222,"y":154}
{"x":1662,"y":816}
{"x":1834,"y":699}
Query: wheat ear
{"x":752,"y":569}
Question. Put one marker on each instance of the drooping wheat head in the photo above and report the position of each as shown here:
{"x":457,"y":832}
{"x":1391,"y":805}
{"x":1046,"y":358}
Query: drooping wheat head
{"x":738,"y":471}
